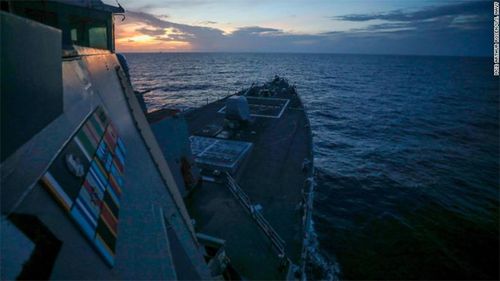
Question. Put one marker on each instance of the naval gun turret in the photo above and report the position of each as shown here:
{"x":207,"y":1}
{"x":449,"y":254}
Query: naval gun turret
{"x":237,"y":109}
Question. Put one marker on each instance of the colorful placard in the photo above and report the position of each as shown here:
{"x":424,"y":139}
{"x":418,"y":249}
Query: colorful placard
{"x":86,"y":179}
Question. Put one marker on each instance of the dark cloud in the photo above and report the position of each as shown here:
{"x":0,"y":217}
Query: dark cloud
{"x":147,"y":6}
{"x":456,"y":29}
{"x":184,"y":3}
{"x":256,"y":31}
{"x":429,"y":13}
{"x":200,"y":37}
{"x":208,"y":22}
{"x":151,"y":32}
{"x":161,"y":24}
{"x":175,"y":37}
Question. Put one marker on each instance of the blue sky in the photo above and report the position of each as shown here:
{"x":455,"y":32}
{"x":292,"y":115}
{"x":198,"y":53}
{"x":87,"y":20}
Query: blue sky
{"x":337,"y":26}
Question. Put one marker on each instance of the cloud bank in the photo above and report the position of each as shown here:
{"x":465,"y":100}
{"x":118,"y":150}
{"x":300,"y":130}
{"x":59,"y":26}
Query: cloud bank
{"x":463,"y":28}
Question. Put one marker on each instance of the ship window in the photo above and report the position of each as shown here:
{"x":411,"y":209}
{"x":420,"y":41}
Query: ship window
{"x":74,"y":35}
{"x":98,"y":37}
{"x":77,"y":26}
{"x":88,"y":32}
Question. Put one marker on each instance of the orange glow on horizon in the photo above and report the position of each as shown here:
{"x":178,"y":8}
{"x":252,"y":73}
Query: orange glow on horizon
{"x":128,"y":39}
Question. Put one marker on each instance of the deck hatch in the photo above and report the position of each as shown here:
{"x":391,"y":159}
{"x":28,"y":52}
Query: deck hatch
{"x":218,"y":154}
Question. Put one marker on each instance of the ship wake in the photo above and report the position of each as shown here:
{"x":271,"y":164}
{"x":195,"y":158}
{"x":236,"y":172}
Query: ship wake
{"x":318,"y":266}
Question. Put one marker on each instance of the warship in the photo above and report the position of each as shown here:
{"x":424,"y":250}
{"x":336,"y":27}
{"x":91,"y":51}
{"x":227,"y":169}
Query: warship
{"x":95,"y":187}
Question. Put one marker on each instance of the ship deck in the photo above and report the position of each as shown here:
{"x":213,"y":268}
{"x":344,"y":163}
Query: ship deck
{"x":271,"y":175}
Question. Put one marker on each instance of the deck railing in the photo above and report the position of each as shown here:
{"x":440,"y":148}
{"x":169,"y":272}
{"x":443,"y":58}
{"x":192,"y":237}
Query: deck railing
{"x":273,"y":236}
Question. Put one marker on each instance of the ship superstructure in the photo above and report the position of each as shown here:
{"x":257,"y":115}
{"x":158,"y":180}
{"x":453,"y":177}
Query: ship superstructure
{"x":85,"y":190}
{"x":94,"y":187}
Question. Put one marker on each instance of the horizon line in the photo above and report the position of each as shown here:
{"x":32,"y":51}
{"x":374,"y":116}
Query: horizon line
{"x":300,"y":53}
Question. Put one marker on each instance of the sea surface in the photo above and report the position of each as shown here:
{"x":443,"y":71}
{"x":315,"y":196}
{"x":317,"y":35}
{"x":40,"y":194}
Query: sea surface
{"x":406,"y":151}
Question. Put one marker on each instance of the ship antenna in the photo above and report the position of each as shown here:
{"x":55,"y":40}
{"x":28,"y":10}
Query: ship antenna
{"x":120,"y":6}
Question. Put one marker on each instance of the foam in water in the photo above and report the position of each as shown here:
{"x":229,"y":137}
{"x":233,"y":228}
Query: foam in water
{"x":319,"y":267}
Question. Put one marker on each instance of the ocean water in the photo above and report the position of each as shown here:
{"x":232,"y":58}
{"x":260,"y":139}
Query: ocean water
{"x":406,"y":151}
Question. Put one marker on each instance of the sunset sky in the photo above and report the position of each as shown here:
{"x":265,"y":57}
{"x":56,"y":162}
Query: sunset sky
{"x":336,"y":26}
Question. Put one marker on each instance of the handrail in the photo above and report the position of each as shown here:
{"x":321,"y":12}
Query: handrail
{"x":269,"y":231}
